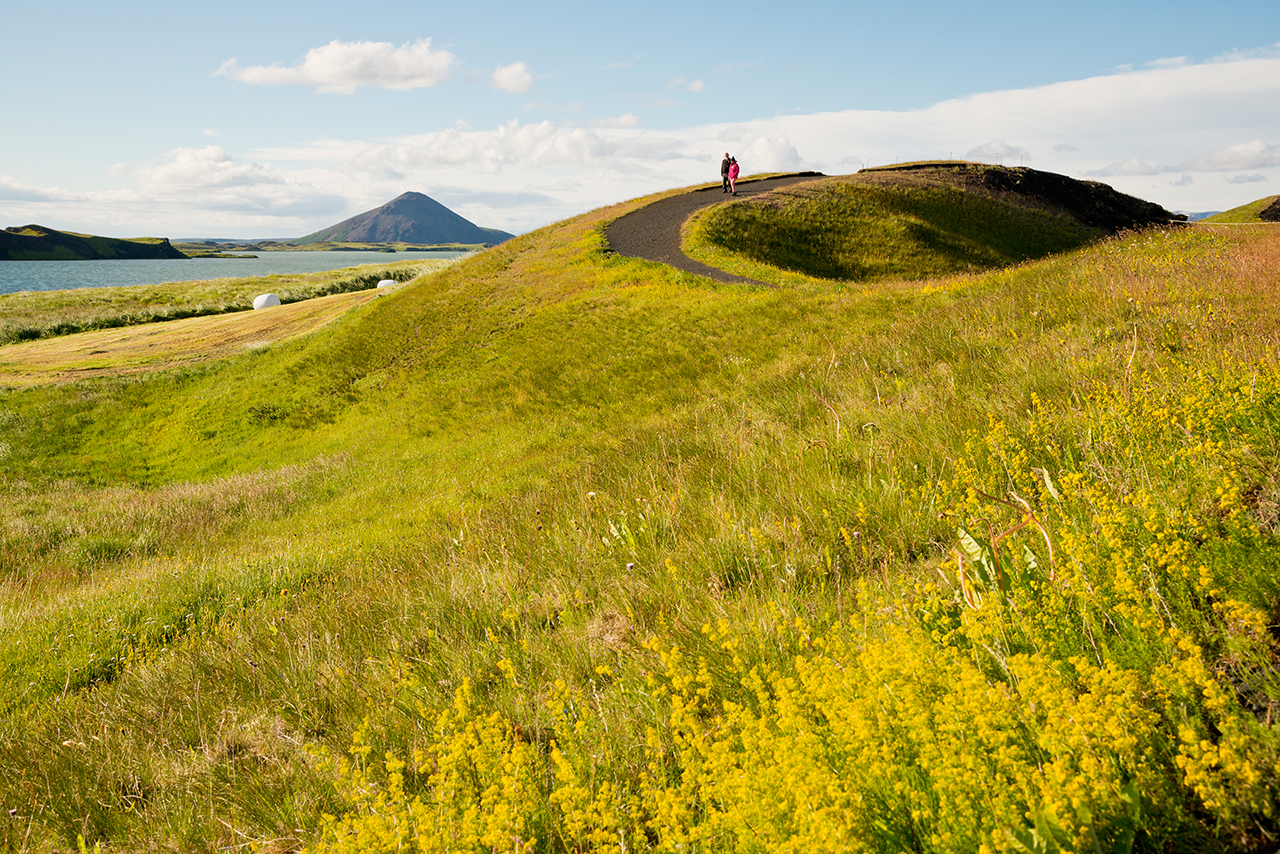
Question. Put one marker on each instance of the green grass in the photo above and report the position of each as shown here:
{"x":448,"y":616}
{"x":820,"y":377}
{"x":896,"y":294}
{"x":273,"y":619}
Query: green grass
{"x":860,"y":231}
{"x":549,"y":464}
{"x":30,"y":315}
{"x":1243,"y":214}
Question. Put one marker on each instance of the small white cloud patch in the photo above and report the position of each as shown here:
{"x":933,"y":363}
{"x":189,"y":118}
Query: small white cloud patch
{"x":998,"y":149}
{"x":1248,"y":179}
{"x":515,"y":78}
{"x":342,"y":67}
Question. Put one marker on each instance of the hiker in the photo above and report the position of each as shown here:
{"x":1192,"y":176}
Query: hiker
{"x":724,"y":173}
{"x":733,"y":175}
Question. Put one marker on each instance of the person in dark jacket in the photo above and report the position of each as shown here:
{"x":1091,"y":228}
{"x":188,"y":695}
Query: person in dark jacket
{"x":724,"y":172}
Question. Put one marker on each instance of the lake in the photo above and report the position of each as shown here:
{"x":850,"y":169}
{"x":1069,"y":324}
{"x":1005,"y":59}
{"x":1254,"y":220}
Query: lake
{"x":60,"y":275}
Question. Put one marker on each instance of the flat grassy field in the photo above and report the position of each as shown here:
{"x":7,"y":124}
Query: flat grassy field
{"x":556,"y":550}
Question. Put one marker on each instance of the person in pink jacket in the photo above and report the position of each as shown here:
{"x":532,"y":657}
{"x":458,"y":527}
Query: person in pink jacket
{"x":733,"y":175}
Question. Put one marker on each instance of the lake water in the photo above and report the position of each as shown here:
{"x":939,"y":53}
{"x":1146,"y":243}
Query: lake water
{"x":59,"y":275}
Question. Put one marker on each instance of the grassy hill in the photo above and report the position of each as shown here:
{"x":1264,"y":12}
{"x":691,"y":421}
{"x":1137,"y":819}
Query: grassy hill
{"x":562,"y":548}
{"x":39,"y":243}
{"x":1245,"y":213}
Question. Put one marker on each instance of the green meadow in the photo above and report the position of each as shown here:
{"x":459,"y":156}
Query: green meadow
{"x":969,"y":543}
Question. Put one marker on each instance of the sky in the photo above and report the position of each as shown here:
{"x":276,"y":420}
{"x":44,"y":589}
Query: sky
{"x":275,"y":119}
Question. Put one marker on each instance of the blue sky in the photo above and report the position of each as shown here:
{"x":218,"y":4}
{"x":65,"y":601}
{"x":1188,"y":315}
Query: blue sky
{"x":273,"y":119}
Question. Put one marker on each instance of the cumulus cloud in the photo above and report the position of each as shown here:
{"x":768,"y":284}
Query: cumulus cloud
{"x":1184,"y":181}
{"x":770,"y":154}
{"x":13,"y":191}
{"x":199,"y":168}
{"x":1247,"y":155}
{"x":1248,"y":179}
{"x":1132,"y":166}
{"x":998,"y":149}
{"x":515,"y":78}
{"x":342,"y":67}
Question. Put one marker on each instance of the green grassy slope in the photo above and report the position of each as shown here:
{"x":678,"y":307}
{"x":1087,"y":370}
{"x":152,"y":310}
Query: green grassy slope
{"x":1244,"y":213}
{"x":667,"y":562}
{"x":40,"y":243}
{"x":857,"y":230}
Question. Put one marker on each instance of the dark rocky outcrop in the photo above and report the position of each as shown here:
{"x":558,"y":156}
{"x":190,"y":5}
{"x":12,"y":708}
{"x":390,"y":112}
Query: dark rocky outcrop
{"x":408,"y":218}
{"x":40,"y":243}
{"x":1271,"y":213}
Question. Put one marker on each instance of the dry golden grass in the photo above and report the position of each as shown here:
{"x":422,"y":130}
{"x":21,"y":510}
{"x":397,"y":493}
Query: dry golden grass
{"x":156,"y":346}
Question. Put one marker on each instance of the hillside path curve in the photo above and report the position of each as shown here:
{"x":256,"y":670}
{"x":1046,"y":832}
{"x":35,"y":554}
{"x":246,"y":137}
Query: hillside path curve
{"x":652,"y":232}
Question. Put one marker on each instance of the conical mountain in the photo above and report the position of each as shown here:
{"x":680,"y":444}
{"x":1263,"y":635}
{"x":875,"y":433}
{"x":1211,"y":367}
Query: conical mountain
{"x":408,"y":218}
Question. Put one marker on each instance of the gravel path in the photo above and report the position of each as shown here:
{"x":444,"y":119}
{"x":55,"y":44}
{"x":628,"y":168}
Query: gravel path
{"x":653,"y":231}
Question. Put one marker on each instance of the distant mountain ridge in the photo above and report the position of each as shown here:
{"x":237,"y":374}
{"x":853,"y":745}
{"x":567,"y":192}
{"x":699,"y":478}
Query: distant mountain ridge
{"x":408,"y":218}
{"x":41,"y":243}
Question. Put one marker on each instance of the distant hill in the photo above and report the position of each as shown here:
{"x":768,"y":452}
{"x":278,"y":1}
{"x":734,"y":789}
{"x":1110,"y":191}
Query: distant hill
{"x":408,"y":218}
{"x":40,"y":243}
{"x":1266,"y":209}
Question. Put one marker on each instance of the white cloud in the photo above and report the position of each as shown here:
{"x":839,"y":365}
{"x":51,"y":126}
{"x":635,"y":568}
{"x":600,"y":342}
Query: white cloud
{"x":199,"y":168}
{"x":1248,"y":179}
{"x":998,"y":149}
{"x":769,"y":154}
{"x":344,"y":66}
{"x":209,"y":132}
{"x":14,"y":191}
{"x":1065,"y":147}
{"x":515,"y":78}
{"x":1132,"y":166}
{"x":1248,"y":155}
{"x":1184,"y":181}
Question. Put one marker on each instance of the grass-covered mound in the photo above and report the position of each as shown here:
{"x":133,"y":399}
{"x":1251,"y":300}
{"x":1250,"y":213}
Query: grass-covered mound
{"x":1266,"y":209}
{"x":912,"y":222}
{"x":555,"y":550}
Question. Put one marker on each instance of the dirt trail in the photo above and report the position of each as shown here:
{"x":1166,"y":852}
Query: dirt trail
{"x":653,"y":231}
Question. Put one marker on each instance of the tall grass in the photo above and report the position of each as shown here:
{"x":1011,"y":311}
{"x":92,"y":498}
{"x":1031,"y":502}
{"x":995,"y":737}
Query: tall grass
{"x":694,"y":581}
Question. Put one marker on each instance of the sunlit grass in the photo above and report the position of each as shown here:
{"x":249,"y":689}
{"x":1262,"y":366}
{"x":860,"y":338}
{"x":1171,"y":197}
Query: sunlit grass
{"x":666,"y":562}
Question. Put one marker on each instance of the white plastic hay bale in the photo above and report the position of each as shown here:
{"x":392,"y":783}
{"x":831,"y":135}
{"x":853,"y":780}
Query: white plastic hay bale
{"x":265,"y":301}
{"x":386,"y":283}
